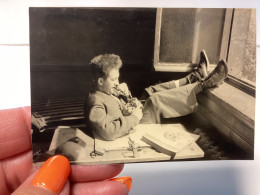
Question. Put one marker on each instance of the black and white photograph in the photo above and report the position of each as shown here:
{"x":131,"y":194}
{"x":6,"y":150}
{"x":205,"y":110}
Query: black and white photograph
{"x":131,"y":85}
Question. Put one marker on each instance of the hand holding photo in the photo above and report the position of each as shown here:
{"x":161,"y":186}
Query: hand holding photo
{"x":124,"y":85}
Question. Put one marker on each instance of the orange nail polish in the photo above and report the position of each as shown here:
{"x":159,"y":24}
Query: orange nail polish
{"x":53,"y":174}
{"x":124,"y":180}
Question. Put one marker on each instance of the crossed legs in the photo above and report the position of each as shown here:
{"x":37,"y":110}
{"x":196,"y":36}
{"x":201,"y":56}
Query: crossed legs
{"x":178,"y":97}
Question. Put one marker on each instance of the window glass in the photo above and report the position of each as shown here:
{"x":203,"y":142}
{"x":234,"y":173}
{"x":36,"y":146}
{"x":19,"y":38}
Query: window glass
{"x":242,"y":52}
{"x":185,"y":32}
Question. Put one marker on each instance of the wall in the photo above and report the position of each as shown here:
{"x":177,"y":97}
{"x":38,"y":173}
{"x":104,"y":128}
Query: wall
{"x":64,"y":40}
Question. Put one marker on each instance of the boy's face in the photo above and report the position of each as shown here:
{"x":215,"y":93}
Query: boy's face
{"x":107,"y":85}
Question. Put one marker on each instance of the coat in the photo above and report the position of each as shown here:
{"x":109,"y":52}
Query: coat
{"x":104,"y":115}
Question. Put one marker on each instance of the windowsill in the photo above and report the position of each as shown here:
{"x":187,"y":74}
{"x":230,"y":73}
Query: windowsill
{"x":236,"y":100}
{"x":177,"y":67}
{"x":232,"y":112}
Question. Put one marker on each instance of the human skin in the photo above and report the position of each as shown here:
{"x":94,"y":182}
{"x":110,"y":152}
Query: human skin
{"x":107,"y":84}
{"x":16,"y":161}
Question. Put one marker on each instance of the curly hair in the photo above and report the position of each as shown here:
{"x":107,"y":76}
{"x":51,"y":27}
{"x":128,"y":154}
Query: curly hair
{"x":101,"y":65}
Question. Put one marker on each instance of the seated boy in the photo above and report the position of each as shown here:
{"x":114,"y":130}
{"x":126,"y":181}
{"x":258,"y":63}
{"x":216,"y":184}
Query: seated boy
{"x":112,"y":116}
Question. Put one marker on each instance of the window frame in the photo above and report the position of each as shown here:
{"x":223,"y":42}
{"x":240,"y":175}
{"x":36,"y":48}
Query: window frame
{"x":187,"y":67}
{"x":244,"y":86}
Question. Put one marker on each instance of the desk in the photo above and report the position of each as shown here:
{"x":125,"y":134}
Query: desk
{"x":86,"y":149}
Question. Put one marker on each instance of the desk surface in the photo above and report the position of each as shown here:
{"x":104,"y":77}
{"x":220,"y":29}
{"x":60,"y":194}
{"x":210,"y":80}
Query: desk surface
{"x":90,"y":150}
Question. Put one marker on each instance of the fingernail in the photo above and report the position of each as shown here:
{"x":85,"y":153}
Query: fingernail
{"x":124,"y":180}
{"x":53,"y":174}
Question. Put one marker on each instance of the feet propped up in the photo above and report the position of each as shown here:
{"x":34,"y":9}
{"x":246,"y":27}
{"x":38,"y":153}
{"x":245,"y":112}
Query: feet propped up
{"x":216,"y":77}
{"x":202,"y":70}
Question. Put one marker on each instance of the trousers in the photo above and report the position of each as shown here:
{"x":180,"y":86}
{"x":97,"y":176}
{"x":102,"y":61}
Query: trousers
{"x":168,"y":101}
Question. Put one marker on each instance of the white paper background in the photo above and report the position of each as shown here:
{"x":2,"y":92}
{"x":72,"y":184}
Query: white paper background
{"x":181,"y":178}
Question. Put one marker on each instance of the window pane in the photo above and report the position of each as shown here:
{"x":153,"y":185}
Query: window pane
{"x":242,"y":53}
{"x":185,"y":32}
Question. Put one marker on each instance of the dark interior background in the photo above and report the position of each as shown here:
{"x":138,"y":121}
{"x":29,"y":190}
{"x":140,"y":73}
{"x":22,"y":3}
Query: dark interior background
{"x":64,"y":40}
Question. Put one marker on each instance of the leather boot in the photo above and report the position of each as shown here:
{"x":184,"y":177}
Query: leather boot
{"x":202,"y":70}
{"x":217,"y":76}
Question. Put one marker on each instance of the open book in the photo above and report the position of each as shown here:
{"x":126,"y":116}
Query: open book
{"x":170,"y":139}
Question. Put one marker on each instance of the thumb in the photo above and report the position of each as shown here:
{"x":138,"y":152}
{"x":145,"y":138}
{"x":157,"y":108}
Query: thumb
{"x":49,"y":180}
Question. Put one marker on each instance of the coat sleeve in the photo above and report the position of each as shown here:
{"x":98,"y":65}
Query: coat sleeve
{"x":110,"y":127}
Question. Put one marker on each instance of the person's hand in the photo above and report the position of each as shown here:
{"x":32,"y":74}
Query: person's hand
{"x":122,"y":89}
{"x":131,"y":106}
{"x":136,"y":103}
{"x":16,"y":161}
{"x":127,"y":110}
{"x":138,"y":112}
